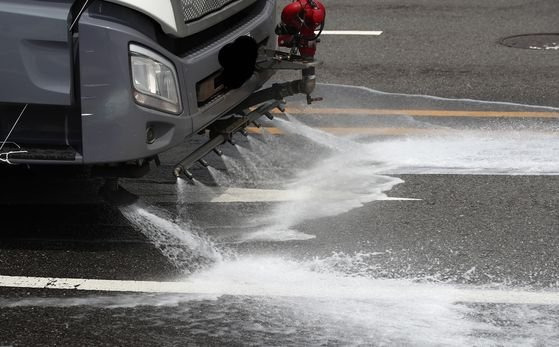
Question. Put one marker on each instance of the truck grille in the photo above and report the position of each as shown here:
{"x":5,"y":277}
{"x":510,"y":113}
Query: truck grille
{"x":195,"y":9}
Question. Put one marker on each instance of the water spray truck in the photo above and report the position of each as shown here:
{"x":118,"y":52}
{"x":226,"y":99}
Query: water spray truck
{"x":111,"y":84}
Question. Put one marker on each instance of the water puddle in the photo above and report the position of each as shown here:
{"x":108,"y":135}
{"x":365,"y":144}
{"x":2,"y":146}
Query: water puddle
{"x":337,"y":299}
{"x":431,"y":135}
{"x":512,"y":153}
{"x":332,"y":300}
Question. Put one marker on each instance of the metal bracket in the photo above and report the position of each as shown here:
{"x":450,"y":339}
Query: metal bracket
{"x":277,"y":60}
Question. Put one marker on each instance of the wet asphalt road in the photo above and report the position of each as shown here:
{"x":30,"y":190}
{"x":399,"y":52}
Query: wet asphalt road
{"x":468,"y":227}
{"x":448,"y":48}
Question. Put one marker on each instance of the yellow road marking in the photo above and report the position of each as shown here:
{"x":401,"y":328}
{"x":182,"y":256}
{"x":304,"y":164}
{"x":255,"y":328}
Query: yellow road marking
{"x":359,"y":131}
{"x":423,"y":113}
{"x":384,"y":131}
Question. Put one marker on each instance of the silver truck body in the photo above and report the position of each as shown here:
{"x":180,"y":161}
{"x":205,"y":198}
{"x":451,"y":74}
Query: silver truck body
{"x":71,"y":72}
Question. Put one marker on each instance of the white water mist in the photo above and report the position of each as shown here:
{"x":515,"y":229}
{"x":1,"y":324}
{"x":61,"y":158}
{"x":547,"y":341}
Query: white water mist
{"x":345,"y":178}
{"x":176,"y":239}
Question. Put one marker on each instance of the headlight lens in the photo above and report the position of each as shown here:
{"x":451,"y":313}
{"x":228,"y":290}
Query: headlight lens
{"x":154,"y":79}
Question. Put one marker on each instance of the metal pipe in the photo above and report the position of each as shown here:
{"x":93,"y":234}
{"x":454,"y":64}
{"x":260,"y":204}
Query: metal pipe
{"x":203,"y":163}
{"x":221,"y":136}
{"x":278,"y":91}
{"x":198,"y":154}
{"x":188,"y":174}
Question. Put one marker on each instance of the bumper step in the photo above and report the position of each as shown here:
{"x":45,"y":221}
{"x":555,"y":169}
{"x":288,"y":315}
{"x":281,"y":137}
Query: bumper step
{"x":50,"y":154}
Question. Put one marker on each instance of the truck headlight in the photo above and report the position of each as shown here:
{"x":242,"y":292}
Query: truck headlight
{"x":154,"y":80}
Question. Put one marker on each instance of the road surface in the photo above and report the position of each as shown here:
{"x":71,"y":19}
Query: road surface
{"x":376,"y":217}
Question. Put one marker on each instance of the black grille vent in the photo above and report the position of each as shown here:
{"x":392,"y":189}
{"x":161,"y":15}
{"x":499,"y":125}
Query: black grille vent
{"x":195,"y":9}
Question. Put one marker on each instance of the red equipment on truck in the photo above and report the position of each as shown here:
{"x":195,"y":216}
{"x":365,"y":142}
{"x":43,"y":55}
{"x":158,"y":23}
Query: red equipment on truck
{"x":300,"y":22}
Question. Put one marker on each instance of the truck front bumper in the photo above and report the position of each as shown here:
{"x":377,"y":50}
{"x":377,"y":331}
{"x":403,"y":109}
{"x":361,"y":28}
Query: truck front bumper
{"x":114,"y":126}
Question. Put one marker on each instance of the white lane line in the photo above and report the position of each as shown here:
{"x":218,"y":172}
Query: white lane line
{"x":276,"y":195}
{"x":245,"y":289}
{"x":352,"y":32}
{"x":256,"y":195}
{"x":194,"y":194}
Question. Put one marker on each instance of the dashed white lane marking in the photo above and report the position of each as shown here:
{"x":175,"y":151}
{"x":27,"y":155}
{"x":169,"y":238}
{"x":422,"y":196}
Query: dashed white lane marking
{"x":275,"y":195}
{"x":352,"y":32}
{"x":243,"y":289}
{"x":232,"y":195}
